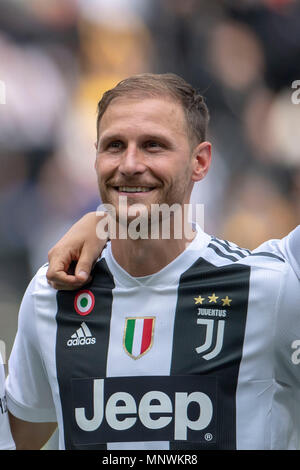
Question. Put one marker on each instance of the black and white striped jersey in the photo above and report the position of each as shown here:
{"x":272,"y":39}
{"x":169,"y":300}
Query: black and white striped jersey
{"x":6,"y":441}
{"x":204,"y":354}
{"x":288,"y":248}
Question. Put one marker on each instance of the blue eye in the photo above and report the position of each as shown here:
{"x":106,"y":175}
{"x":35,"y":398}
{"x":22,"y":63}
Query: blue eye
{"x":152,"y":144}
{"x":116,"y":145}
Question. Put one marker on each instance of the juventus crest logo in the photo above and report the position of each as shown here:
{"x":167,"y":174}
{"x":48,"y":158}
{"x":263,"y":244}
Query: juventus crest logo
{"x":210,"y":325}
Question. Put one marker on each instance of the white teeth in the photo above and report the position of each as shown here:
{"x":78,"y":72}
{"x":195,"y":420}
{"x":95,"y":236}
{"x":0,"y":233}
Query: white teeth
{"x":137,"y":189}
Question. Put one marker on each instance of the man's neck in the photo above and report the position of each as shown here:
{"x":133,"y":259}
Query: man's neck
{"x":143,"y":257}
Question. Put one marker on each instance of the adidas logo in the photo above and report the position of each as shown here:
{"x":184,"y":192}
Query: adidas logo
{"x":81,"y":337}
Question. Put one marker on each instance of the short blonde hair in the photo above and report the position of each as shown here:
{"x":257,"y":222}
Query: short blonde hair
{"x":161,"y":85}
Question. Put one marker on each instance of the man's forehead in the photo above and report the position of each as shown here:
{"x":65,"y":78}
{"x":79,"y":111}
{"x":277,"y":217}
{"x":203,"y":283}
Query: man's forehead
{"x":155,"y":111}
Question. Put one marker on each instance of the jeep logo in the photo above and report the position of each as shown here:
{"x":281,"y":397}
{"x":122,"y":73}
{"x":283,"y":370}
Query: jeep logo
{"x":144,"y":408}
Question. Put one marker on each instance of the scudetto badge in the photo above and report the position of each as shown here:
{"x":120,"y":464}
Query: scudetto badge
{"x":138,"y":336}
{"x":84,"y":302}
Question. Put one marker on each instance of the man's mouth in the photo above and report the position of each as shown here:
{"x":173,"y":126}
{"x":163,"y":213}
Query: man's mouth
{"x":133,"y":189}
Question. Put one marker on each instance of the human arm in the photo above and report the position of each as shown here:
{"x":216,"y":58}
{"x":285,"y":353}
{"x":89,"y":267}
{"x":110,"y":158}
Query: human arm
{"x":6,"y":441}
{"x":29,"y":396}
{"x":80,"y":245}
{"x":28,"y":435}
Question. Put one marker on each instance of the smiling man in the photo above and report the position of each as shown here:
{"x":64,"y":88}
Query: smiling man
{"x":175,"y":343}
{"x":145,"y":154}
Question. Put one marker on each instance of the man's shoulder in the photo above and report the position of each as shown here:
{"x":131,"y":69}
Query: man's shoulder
{"x":39,"y":293}
{"x":223,"y":252}
{"x":39,"y":281}
{"x":268,"y":271}
{"x":287,"y":248}
{"x":271,"y":274}
{"x":264,"y":259}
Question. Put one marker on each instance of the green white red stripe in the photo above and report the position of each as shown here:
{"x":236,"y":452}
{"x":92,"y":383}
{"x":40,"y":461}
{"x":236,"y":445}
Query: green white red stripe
{"x":138,"y":335}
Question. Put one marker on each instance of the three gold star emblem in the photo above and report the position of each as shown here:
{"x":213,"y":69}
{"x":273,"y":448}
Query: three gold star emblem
{"x":213,"y":299}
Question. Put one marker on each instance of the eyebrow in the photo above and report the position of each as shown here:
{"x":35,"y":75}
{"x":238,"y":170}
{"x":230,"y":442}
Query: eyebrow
{"x":109,"y":137}
{"x":144,"y":137}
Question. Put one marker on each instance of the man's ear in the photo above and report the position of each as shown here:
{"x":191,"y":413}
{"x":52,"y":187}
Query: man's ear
{"x":201,"y":160}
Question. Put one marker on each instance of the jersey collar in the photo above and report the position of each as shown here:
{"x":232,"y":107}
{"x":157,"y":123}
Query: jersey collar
{"x":168,"y":275}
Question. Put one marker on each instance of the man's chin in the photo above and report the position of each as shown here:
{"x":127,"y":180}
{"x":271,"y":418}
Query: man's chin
{"x":130,"y":210}
{"x":141,"y":214}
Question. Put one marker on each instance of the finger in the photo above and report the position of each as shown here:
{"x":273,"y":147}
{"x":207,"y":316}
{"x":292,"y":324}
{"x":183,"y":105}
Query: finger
{"x":85,"y":265}
{"x":57,"y":267}
{"x":71,"y":284}
{"x":60,"y":276}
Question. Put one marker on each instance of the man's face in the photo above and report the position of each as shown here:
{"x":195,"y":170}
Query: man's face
{"x":144,"y":153}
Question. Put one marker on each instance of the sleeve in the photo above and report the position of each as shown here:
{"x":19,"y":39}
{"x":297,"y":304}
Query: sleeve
{"x":28,"y":391}
{"x":291,"y":249}
{"x":288,"y":247}
{"x":6,"y":440}
{"x":287,"y":337}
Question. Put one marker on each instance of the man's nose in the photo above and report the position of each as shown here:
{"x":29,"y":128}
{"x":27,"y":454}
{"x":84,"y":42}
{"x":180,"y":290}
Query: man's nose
{"x":132,"y":161}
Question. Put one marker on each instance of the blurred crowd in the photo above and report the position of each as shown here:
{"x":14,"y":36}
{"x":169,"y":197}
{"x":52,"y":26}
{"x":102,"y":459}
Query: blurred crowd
{"x":57,"y":57}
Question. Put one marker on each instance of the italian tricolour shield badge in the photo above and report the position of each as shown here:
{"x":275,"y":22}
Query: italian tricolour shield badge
{"x":138,"y":335}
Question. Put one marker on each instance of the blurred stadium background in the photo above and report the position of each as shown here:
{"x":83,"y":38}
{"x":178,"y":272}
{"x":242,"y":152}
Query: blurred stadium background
{"x":58,"y":56}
